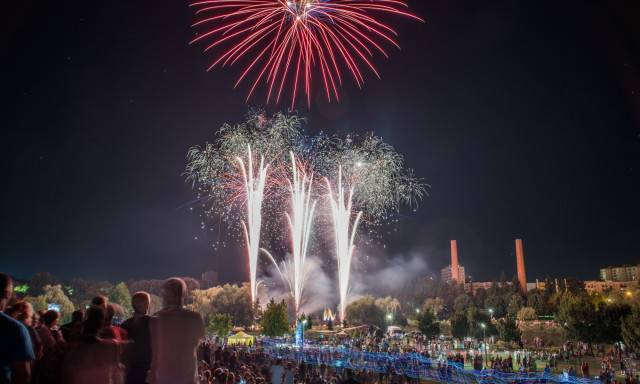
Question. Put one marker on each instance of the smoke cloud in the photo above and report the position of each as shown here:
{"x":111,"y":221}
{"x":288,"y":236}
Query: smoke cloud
{"x":320,"y":290}
{"x":379,"y":274}
{"x":373,"y":272}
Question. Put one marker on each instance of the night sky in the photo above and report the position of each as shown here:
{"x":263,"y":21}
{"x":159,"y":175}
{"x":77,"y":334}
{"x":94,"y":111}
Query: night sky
{"x":523,"y":117}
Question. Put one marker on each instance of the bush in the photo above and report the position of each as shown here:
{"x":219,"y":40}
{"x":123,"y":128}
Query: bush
{"x":527,"y":313}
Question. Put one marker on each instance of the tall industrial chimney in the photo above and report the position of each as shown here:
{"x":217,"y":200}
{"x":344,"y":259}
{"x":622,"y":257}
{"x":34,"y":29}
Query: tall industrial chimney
{"x":454,"y":260}
{"x":522,"y":278}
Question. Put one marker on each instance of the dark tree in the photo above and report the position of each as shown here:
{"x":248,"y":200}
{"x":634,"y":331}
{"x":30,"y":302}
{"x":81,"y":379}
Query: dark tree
{"x":274,"y":319}
{"x":425,"y":288}
{"x":459,"y":326}
{"x":515,"y":285}
{"x":611,"y":316}
{"x":209,"y":279}
{"x":462,"y":303}
{"x":120,"y":295}
{"x":592,"y":318}
{"x":536,"y":301}
{"x":152,"y":287}
{"x":480,"y":297}
{"x":630,"y":327}
{"x":514,"y":304}
{"x":573,"y":286}
{"x":579,"y":317}
{"x":219,"y":325}
{"x":509,"y":330}
{"x":549,"y":286}
{"x":235,"y":301}
{"x":427,"y":324}
{"x":365,"y":310}
{"x":478,"y":317}
{"x":496,"y":304}
{"x":447,"y":293}
{"x":39,"y":281}
{"x":82,"y":291}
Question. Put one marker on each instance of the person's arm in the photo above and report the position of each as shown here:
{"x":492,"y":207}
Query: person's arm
{"x":21,"y":356}
{"x":20,"y":372}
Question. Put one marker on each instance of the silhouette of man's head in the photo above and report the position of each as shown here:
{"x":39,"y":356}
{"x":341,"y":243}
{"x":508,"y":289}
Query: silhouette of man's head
{"x":140,"y":303}
{"x":100,"y":301}
{"x":77,"y":316}
{"x":50,"y":317}
{"x":94,"y":320}
{"x":174,"y":293}
{"x":5,"y":288}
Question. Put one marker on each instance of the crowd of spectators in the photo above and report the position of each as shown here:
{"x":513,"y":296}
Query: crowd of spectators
{"x":158,"y":349}
{"x":170,"y":347}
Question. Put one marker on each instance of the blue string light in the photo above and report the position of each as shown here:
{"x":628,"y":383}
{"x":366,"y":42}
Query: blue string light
{"x":412,"y":364}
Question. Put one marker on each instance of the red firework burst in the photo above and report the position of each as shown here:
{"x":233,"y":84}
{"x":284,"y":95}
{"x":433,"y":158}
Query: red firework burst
{"x":287,"y":40}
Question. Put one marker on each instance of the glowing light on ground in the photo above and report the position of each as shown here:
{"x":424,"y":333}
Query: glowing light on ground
{"x":328,"y":315}
{"x":438,"y":370}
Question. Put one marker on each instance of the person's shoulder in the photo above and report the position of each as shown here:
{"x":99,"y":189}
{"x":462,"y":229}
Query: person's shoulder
{"x":194,"y":316}
{"x":66,"y":326}
{"x":9,"y":324}
{"x":127,"y":323}
{"x":18,"y":335}
{"x":135,"y":322}
{"x":7,"y":321}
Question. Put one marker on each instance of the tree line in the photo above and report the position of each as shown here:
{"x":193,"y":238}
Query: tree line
{"x":431,"y":306}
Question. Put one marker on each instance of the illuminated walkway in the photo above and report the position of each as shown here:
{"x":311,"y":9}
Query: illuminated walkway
{"x":414,"y":365}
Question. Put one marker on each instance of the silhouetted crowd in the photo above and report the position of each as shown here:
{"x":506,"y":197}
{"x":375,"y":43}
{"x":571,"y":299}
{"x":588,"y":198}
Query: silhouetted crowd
{"x":158,"y":349}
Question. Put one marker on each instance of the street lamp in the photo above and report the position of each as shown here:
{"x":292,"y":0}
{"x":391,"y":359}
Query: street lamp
{"x":491,"y":313}
{"x":484,"y":342}
{"x":418,"y":309}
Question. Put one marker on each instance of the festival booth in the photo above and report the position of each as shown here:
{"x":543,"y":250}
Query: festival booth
{"x":240,"y":338}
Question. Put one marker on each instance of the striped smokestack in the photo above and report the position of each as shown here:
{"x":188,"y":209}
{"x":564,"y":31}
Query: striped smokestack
{"x":454,"y":260}
{"x":522,"y":277}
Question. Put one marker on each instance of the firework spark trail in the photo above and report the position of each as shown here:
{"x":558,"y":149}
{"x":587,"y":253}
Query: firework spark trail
{"x":254,"y":182}
{"x":289,"y":39}
{"x":344,"y":237}
{"x":300,"y":220}
{"x":371,"y":183}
